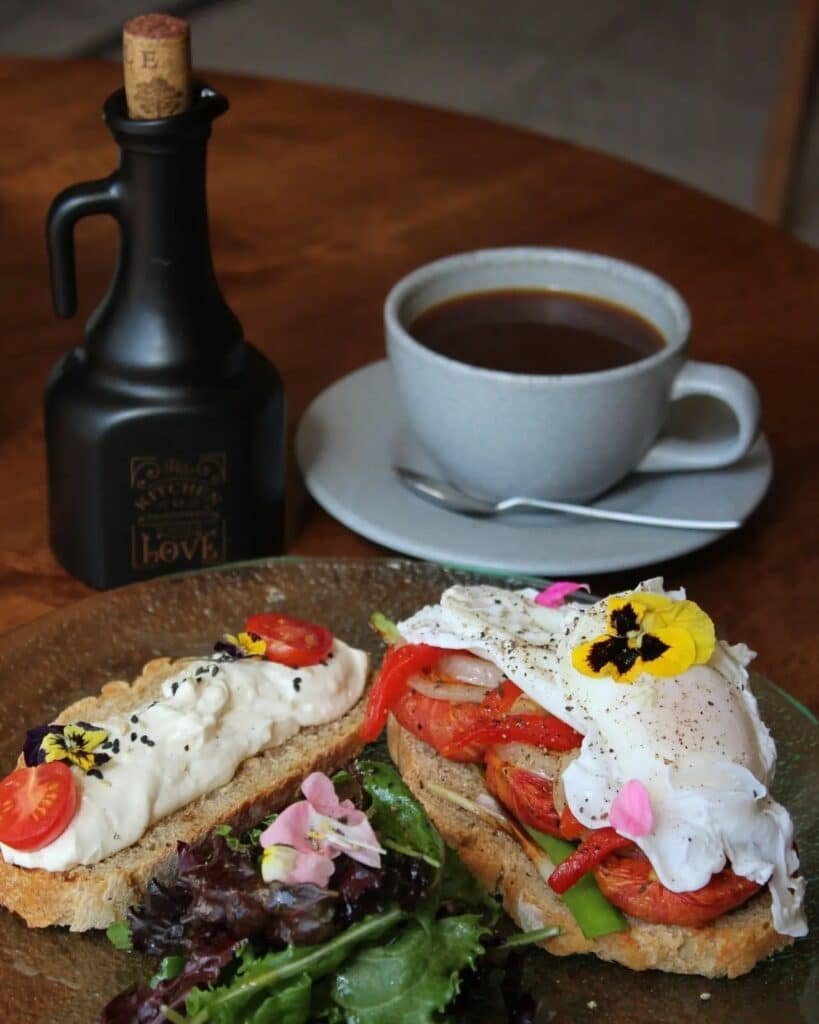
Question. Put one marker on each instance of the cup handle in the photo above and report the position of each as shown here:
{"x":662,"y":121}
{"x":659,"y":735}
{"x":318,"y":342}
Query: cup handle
{"x":726,"y":385}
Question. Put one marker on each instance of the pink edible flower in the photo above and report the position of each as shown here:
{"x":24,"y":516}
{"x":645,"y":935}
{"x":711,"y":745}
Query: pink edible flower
{"x":631,"y":813}
{"x":307,"y":836}
{"x":556,"y":593}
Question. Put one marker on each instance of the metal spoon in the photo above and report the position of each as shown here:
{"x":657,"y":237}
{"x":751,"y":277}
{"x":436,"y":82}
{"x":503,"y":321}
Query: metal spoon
{"x":450,"y":497}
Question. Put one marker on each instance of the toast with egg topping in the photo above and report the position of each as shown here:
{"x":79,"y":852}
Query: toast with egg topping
{"x":727,"y":947}
{"x":525,"y":723}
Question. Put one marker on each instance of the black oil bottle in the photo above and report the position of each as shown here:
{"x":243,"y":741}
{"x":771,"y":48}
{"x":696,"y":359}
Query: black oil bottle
{"x":165,"y":430}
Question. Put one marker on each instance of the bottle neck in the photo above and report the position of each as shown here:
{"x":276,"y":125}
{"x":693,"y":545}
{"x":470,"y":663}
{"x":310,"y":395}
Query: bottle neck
{"x":164,"y":316}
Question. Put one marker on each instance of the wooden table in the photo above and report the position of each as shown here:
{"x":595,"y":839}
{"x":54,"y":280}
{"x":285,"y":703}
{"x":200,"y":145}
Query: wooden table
{"x":320,"y":199}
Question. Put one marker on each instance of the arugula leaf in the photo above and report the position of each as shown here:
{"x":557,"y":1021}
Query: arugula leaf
{"x":399,"y":820}
{"x":255,"y":985}
{"x":410,"y":979}
{"x":460,"y":887}
{"x":119,"y":935}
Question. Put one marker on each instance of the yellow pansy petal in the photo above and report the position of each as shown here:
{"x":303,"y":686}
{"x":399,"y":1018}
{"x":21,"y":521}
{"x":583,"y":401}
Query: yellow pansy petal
{"x":580,"y":658}
{"x":649,"y":601}
{"x":688,"y":616}
{"x":617,"y":608}
{"x":53,"y":748}
{"x":251,"y":646}
{"x":86,"y":739}
{"x":677,"y":658}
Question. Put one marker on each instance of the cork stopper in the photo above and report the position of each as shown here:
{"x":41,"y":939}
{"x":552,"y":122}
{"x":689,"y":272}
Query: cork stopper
{"x":156,"y":54}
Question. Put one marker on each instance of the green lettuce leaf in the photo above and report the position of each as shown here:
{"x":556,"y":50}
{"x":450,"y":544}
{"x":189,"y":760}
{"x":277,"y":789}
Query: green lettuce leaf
{"x":277,"y":986}
{"x":410,"y":979}
{"x":399,"y":820}
{"x":462,"y":891}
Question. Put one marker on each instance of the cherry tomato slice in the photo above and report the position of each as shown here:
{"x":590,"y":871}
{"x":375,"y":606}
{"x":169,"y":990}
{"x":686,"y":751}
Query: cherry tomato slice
{"x":435,"y":722}
{"x":539,"y":730}
{"x":627,"y":880}
{"x":599,"y":844}
{"x":290,"y":641}
{"x":36,"y":805}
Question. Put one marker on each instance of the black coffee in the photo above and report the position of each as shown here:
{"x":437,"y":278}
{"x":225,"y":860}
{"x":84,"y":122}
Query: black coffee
{"x":536,"y":331}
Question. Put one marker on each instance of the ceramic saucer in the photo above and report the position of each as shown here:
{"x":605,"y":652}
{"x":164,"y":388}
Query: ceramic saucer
{"x":353,"y":433}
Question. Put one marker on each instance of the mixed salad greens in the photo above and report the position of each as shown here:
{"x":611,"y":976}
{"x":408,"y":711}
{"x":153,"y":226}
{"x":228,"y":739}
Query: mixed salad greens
{"x":376,"y":945}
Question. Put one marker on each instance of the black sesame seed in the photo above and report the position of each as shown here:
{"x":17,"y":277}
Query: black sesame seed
{"x":174,"y":688}
{"x":133,"y":737}
{"x":215,"y":670}
{"x":148,"y":742}
{"x":187,"y":747}
{"x":135,"y":719}
{"x":115,"y":746}
{"x":297,"y":683}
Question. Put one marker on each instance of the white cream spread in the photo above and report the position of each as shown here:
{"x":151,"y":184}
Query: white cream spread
{"x":696,"y":741}
{"x":211,"y":716}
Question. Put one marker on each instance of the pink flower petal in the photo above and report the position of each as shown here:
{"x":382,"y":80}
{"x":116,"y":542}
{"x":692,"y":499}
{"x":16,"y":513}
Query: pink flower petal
{"x":312,"y":867}
{"x":290,"y":828}
{"x":631,"y":813}
{"x":318,"y":829}
{"x":556,"y":593}
{"x":357,"y":841}
{"x":321,"y":793}
{"x":284,"y":864}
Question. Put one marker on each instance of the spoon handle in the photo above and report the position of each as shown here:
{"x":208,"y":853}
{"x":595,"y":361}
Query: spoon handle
{"x":618,"y":517}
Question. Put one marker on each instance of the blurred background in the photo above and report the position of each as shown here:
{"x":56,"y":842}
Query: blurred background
{"x":715,"y":93}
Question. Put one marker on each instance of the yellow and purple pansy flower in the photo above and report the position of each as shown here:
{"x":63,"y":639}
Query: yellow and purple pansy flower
{"x":78,"y":743}
{"x":647,"y":633}
{"x":241,"y":645}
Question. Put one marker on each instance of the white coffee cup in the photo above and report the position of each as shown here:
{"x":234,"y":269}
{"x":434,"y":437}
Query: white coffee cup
{"x":565,"y":437}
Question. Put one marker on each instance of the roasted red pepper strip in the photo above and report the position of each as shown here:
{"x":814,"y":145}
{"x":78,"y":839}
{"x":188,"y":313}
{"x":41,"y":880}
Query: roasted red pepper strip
{"x":600,"y":843}
{"x":539,"y":730}
{"x":502,"y":700}
{"x":400,"y":663}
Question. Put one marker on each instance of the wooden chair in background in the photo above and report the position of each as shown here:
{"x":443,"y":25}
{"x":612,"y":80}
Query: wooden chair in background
{"x":787,"y":124}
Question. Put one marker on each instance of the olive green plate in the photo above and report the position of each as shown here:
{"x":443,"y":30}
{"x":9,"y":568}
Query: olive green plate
{"x":49,"y":976}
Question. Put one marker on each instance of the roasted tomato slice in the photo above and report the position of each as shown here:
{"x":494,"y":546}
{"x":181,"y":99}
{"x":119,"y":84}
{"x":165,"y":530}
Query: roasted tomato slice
{"x":436,"y":722}
{"x":527,"y":795}
{"x":290,"y":641}
{"x":36,"y":805}
{"x":629,"y":882}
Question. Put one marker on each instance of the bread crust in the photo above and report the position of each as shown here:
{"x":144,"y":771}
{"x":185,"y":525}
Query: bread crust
{"x":94,"y":896}
{"x":728,"y":947}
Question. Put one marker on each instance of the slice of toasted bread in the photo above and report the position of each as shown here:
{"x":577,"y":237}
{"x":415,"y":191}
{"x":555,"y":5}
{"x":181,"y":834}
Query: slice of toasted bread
{"x":94,"y":896}
{"x":727,"y":947}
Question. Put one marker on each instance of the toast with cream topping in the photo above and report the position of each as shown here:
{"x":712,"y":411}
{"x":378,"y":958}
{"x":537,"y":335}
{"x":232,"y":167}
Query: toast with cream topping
{"x":92,"y":896}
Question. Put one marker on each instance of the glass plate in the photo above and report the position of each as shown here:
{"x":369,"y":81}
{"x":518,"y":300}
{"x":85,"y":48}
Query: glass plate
{"x":49,"y":975}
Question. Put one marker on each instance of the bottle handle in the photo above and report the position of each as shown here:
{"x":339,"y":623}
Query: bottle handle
{"x":82,"y":200}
